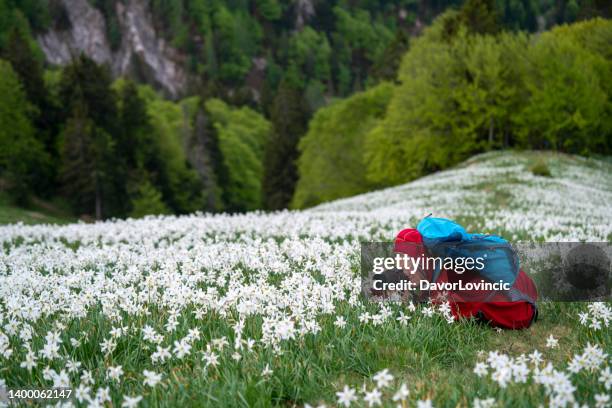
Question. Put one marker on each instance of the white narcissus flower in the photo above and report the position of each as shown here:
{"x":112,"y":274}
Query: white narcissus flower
{"x":383,"y":378}
{"x":551,"y":342}
{"x":73,"y":366}
{"x":347,"y":396}
{"x":403,"y":319}
{"x":597,"y":316}
{"x":480,"y":369}
{"x":606,"y":377}
{"x":151,"y":378}
{"x":82,"y":393}
{"x":131,"y":402}
{"x":211,"y":358}
{"x":424,"y":404}
{"x":373,"y":398}
{"x":602,"y":400}
{"x":428,"y":311}
{"x":30,"y":361}
{"x":266,"y":371}
{"x":114,"y":373}
{"x":103,"y":394}
{"x":161,"y":354}
{"x":401,"y":394}
{"x":61,"y":380}
{"x":181,"y":348}
{"x":483,"y":403}
{"x":535,"y":357}
{"x":87,"y":377}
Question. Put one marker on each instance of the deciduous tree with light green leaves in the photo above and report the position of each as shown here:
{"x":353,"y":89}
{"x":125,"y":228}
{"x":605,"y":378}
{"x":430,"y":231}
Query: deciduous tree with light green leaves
{"x":467,"y":93}
{"x":569,"y":107}
{"x":331,"y":164}
{"x":242,"y":134}
{"x":421,"y":129}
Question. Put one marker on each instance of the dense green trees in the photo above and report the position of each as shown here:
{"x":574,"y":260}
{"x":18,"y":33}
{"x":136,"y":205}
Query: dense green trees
{"x":124,"y":150}
{"x":92,"y":174}
{"x":462,"y":92}
{"x":243,"y":135}
{"x":331,"y":45}
{"x":332,"y":163}
{"x":290,"y":116}
{"x":86,"y":172}
{"x":23,"y":160}
{"x":469,"y":83}
{"x":569,"y":95}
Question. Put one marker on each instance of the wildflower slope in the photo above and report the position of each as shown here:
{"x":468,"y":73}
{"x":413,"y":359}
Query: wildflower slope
{"x":265,"y":309}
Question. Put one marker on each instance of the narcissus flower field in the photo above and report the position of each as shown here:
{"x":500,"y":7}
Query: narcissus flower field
{"x":265,"y":309}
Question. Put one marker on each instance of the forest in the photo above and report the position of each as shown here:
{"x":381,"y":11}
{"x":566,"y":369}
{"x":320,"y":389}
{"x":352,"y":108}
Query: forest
{"x":294,"y":103}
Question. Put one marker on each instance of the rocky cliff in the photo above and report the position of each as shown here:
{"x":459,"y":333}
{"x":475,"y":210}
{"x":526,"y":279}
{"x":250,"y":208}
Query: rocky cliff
{"x":142,"y":54}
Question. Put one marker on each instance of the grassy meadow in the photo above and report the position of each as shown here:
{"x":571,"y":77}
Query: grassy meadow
{"x":264,"y":309}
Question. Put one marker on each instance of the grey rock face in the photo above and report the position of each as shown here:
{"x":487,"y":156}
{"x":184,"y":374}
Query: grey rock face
{"x":141,"y":55}
{"x":304,"y":11}
{"x":87,"y":34}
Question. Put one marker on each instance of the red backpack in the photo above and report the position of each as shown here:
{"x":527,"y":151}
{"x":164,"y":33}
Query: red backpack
{"x":510,"y":309}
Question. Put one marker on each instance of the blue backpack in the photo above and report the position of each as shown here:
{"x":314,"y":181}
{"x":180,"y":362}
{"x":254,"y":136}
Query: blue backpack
{"x":446,"y":239}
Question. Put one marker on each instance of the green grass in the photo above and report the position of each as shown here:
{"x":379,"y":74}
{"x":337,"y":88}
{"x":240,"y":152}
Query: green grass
{"x":433,"y":358}
{"x":39,"y":213}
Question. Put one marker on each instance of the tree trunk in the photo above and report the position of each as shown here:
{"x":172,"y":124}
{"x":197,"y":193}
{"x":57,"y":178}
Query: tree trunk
{"x":491,"y":133}
{"x":98,"y":200}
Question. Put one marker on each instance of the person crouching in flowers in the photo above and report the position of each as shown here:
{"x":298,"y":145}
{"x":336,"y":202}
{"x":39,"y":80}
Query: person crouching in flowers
{"x":514,"y":308}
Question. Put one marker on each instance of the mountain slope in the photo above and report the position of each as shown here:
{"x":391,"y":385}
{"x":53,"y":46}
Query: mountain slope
{"x":141,"y":53}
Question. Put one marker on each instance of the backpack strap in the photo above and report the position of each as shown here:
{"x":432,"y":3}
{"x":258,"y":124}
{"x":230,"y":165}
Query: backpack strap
{"x":516,"y":296}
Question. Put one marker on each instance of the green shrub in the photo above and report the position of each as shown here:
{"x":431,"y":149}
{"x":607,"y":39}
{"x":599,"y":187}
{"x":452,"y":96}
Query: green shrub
{"x":540,"y":168}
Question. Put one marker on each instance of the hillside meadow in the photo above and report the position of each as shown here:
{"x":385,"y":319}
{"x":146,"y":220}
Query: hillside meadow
{"x":264,"y":309}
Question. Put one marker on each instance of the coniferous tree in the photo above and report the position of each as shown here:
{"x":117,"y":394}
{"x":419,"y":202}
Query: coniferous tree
{"x":385,"y":68}
{"x":23,"y":161}
{"x":134,"y":142}
{"x":476,"y":16}
{"x":85,"y":82}
{"x":86,"y":163}
{"x":137,"y":154}
{"x":29,"y":68}
{"x":480,"y":16}
{"x":93,"y":177}
{"x":148,"y":200}
{"x":27,"y":65}
{"x":205,"y":156}
{"x":289,"y":120}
